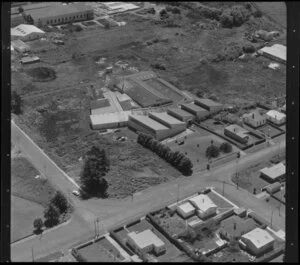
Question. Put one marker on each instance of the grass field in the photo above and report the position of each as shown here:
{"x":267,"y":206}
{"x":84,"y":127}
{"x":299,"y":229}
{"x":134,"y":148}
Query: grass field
{"x":29,"y":197}
{"x":23,"y":213}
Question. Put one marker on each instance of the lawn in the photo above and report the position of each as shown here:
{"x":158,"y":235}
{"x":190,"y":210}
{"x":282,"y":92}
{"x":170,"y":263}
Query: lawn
{"x":269,"y":130}
{"x":226,"y":255}
{"x":23,"y":213}
{"x":26,"y":186}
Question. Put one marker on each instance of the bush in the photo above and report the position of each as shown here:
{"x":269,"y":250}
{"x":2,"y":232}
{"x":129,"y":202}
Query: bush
{"x":234,"y":17}
{"x":212,"y":151}
{"x":248,"y":48}
{"x":38,"y":224}
{"x":226,"y":147}
{"x":257,"y":13}
{"x":159,"y":66}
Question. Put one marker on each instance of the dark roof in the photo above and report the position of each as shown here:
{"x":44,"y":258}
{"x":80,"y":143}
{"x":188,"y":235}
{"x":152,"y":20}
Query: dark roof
{"x":194,"y":107}
{"x":237,"y":226}
{"x":180,"y":112}
{"x":208,"y":102}
{"x":100,"y":103}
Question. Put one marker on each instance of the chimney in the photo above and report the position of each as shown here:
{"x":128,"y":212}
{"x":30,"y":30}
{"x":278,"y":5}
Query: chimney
{"x":234,"y":226}
{"x":252,"y":115}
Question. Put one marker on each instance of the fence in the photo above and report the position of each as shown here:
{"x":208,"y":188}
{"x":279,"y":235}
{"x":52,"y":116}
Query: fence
{"x":224,"y":159}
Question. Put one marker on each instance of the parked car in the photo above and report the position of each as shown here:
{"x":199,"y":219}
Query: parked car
{"x":76,"y":193}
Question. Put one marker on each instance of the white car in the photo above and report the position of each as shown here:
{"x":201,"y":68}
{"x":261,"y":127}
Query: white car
{"x":76,"y":192}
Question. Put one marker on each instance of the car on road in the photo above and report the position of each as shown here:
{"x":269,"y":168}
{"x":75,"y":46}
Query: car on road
{"x":76,"y":192}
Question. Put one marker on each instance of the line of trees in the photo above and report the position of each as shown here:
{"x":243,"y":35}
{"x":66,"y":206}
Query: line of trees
{"x":57,"y":207}
{"x":96,"y":165}
{"x":176,"y":159}
{"x":16,"y":103}
{"x":213,"y":151}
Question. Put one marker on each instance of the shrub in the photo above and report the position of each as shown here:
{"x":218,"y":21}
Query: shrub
{"x":248,"y":48}
{"x":234,"y":17}
{"x":257,"y":13}
{"x":212,"y":151}
{"x":38,"y":224}
{"x":226,"y":147}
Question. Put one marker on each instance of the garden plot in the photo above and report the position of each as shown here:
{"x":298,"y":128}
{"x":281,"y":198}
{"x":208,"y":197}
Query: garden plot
{"x":270,"y":130}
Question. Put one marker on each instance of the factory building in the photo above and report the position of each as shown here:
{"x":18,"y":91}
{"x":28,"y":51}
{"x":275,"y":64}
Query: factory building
{"x":180,"y":114}
{"x":61,"y":14}
{"x":20,"y":46}
{"x":237,"y":133}
{"x":175,"y":125}
{"x":254,"y":119}
{"x":145,"y":242}
{"x":274,"y":173}
{"x":205,"y":207}
{"x":109,"y":120}
{"x":276,"y":117}
{"x":30,"y":59}
{"x":209,"y":105}
{"x":26,"y":32}
{"x":257,"y":242}
{"x":277,"y":52}
{"x":195,"y":110}
{"x":147,"y":125}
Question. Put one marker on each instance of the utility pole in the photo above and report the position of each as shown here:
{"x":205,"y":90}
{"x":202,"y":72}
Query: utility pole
{"x":178,"y":187}
{"x":32,"y":255}
{"x":223,"y":187}
{"x":272,"y":219}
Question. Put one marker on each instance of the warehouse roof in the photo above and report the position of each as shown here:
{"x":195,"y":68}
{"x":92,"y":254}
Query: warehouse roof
{"x":23,"y":30}
{"x":276,"y":114}
{"x":144,"y":75}
{"x":208,"y":102}
{"x":166,"y":117}
{"x":19,"y":43}
{"x":194,"y":107}
{"x":58,"y":10}
{"x":274,"y":171}
{"x":149,"y":122}
{"x":146,"y":238}
{"x":276,"y":50}
{"x":237,"y":226}
{"x":100,"y":103}
{"x":122,"y":97}
{"x":202,"y":202}
{"x":259,"y":237}
{"x":180,"y":112}
{"x":107,"y":118}
{"x":186,"y":207}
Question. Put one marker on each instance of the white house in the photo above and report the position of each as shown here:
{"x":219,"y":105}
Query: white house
{"x":146,"y":242}
{"x":257,"y":241}
{"x":276,"y":117}
{"x":274,"y":173}
{"x":254,"y":119}
{"x":204,"y":206}
{"x":186,"y":210}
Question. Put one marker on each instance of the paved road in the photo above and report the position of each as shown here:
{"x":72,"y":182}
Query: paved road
{"x":112,"y":212}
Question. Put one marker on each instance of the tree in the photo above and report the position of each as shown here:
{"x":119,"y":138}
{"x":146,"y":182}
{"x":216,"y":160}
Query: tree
{"x":212,"y":151}
{"x":226,"y":147}
{"x":51,"y":215}
{"x":95,"y":167}
{"x":61,"y":202}
{"x":186,"y":165}
{"x":38,"y":224}
{"x":16,"y":103}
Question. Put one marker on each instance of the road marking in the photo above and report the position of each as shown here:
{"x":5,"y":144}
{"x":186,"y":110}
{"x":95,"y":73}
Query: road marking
{"x":59,"y":169}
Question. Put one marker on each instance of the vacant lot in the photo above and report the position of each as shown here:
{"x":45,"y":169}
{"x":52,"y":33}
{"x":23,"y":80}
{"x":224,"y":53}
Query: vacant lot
{"x":30,"y":195}
{"x":23,"y":213}
{"x":101,"y":250}
{"x":270,"y":130}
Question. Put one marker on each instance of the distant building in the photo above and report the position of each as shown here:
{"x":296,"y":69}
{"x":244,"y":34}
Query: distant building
{"x":237,"y":133}
{"x":205,"y":207}
{"x":180,"y":114}
{"x":277,"y":52}
{"x":234,"y":227}
{"x":209,"y":105}
{"x":276,"y":117}
{"x":274,"y":173}
{"x":257,"y":242}
{"x":26,"y":32}
{"x":195,"y":110}
{"x":20,"y":46}
{"x":145,"y":242}
{"x":61,"y":14}
{"x":272,"y":188}
{"x":147,"y":125}
{"x":30,"y":59}
{"x":186,"y":210}
{"x":254,"y":119}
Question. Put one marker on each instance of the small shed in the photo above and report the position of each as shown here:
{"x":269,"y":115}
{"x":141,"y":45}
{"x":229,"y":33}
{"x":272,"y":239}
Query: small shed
{"x":20,"y":46}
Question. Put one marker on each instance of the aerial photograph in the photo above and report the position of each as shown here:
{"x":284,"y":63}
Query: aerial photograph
{"x":148,"y":131}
